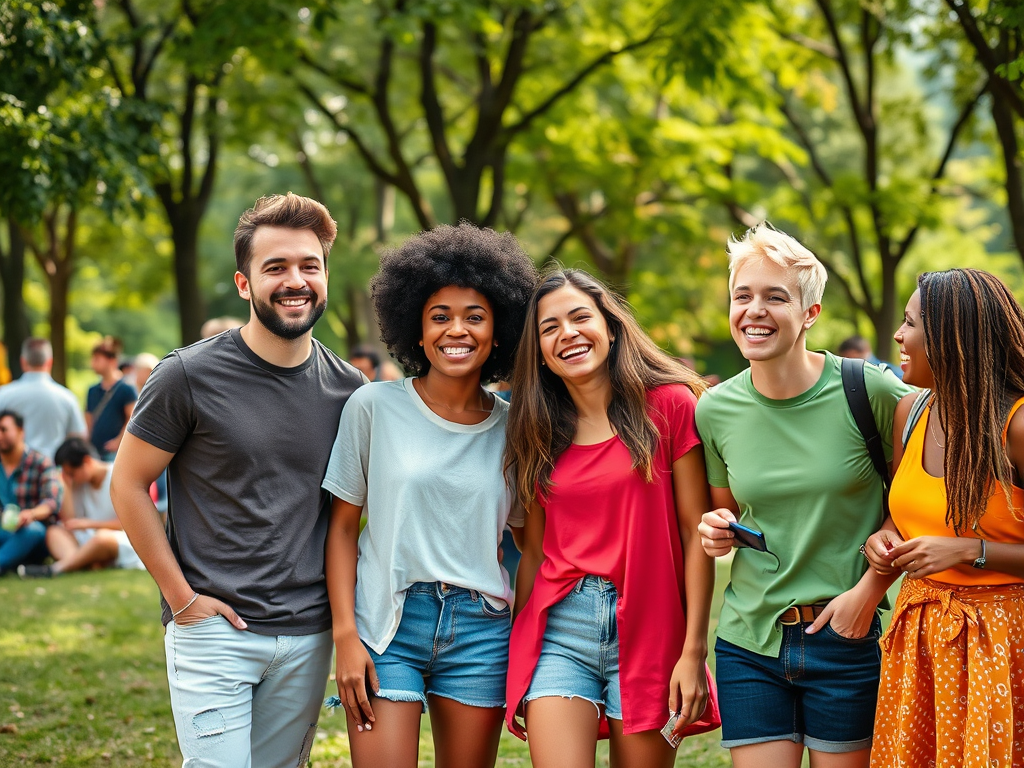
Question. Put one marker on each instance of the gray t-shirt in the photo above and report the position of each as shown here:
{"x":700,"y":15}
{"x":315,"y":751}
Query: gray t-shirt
{"x":247,"y":519}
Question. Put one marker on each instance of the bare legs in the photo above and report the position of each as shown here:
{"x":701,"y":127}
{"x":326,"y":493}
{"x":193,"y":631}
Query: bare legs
{"x":395,"y":738}
{"x":99,"y":551}
{"x":464,"y":736}
{"x":786,"y":754}
{"x":563,"y":734}
{"x":60,"y":541}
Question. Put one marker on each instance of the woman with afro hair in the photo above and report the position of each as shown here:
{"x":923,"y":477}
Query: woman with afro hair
{"x":421,"y":604}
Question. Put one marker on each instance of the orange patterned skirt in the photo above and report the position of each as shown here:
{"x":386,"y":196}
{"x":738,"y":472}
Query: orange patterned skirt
{"x":952,"y":687}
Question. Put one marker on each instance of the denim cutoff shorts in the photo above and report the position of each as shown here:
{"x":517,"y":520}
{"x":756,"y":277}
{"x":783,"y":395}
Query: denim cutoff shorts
{"x":580,"y":654}
{"x":819,"y":691}
{"x":451,"y":643}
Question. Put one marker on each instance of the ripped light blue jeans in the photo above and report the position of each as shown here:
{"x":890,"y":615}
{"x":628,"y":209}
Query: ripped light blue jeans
{"x":241,"y":699}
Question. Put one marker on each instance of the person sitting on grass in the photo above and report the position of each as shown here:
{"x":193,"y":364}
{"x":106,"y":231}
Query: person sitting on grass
{"x":89,"y":534}
{"x":29,"y":483}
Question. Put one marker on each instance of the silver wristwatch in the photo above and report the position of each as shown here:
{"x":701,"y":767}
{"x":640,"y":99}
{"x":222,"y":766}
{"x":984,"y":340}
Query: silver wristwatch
{"x":979,"y":562}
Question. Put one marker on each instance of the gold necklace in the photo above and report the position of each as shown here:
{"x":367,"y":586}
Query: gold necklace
{"x":931,"y":430}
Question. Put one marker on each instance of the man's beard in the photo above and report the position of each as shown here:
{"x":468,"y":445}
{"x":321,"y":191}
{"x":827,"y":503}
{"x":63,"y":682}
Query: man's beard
{"x":288,"y":329}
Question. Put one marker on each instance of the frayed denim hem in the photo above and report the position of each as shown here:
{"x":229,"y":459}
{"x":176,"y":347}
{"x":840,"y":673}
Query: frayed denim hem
{"x":469,"y":703}
{"x":333,"y":702}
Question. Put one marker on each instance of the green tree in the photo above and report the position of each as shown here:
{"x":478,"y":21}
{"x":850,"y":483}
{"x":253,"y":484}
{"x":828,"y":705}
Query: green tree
{"x":179,"y":57}
{"x":876,"y":159}
{"x":72,"y":143}
{"x":435,"y":95}
{"x":994,"y":32}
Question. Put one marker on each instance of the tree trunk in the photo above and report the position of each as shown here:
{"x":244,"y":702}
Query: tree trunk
{"x":349,"y":316}
{"x":885,"y":322}
{"x":60,"y":282}
{"x":12,"y":273}
{"x":1003,"y":117}
{"x":184,"y":221}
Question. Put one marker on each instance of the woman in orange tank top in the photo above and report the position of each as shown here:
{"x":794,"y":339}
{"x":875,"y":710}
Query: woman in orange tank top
{"x":952,"y":687}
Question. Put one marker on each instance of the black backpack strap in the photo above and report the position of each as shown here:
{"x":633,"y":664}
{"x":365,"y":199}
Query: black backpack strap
{"x":915,"y":414}
{"x":860,"y":406}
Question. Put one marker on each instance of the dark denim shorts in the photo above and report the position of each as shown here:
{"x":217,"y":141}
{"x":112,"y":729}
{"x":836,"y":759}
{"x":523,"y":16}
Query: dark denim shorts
{"x":819,"y":691}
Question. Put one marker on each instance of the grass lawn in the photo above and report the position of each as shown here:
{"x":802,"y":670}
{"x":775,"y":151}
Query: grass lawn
{"x":82,"y":681}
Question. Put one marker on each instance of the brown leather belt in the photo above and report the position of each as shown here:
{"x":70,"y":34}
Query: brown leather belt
{"x":801,"y":614}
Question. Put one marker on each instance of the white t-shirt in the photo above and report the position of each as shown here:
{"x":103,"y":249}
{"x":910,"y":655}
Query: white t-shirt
{"x":435,"y":499}
{"x":93,"y":504}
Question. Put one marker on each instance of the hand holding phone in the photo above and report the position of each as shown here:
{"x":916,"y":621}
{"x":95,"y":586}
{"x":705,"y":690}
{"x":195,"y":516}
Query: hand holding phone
{"x":748,"y":537}
{"x":673,"y":739}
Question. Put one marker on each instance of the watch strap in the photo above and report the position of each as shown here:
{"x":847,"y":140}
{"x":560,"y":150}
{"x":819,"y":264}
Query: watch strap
{"x":979,"y":562}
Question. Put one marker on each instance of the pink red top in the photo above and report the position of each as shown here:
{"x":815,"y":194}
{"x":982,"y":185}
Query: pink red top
{"x":603,"y":518}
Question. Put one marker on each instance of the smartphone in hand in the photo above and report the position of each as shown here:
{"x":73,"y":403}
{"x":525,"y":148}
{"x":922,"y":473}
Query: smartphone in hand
{"x":666,"y":731}
{"x":748,"y":537}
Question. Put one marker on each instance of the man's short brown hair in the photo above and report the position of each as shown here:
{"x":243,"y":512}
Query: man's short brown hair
{"x":109,"y":346}
{"x":291,"y":211}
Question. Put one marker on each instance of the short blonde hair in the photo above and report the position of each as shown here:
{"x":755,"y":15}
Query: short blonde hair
{"x":765,"y":242}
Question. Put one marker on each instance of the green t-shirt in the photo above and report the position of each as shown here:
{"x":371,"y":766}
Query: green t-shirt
{"x":801,"y":474}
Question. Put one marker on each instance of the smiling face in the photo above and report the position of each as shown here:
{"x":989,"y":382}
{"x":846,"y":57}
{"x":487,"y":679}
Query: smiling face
{"x":458,"y":331}
{"x":765,"y":314}
{"x":287,"y":281}
{"x":913,"y":357}
{"x":574,"y":335}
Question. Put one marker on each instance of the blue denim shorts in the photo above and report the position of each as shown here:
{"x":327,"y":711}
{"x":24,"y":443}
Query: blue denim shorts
{"x":451,"y":643}
{"x":580,"y":654}
{"x":820,"y":691}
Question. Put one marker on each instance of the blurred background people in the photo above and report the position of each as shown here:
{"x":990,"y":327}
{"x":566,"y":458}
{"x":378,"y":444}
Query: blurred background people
{"x":216,"y":325}
{"x":30,"y":482}
{"x":51,"y":412}
{"x":89,"y":534}
{"x":144,"y":363}
{"x":366,"y":359}
{"x":110,"y":401}
{"x":859,"y":347}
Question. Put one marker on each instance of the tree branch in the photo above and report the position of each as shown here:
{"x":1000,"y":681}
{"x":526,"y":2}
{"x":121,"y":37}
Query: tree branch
{"x":805,"y":140}
{"x":986,"y":56}
{"x":147,"y":66}
{"x":432,"y":107}
{"x":369,"y":158}
{"x":847,"y":290}
{"x":403,"y":178}
{"x":352,"y":85}
{"x":603,"y":256}
{"x":826,"y":179}
{"x":828,"y":51}
{"x":843,"y":60}
{"x":573,"y":82}
{"x":940,"y":170}
{"x":306,"y":165}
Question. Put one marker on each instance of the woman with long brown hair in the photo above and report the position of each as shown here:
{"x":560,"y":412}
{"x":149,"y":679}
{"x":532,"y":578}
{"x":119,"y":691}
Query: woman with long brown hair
{"x":614,"y":589}
{"x":952,"y":688}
